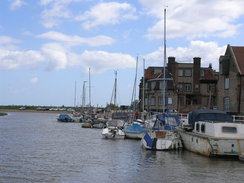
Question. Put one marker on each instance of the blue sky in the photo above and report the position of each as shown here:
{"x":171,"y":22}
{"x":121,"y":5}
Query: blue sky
{"x":47,"y":45}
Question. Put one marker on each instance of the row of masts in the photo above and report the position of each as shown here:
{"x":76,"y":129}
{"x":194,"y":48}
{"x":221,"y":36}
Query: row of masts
{"x":83,"y":97}
{"x":133,"y":98}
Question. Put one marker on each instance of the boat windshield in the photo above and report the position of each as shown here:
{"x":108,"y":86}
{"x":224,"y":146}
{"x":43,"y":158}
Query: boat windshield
{"x":171,"y":121}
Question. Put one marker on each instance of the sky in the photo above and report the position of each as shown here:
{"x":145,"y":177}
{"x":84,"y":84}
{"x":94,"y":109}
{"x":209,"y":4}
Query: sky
{"x":48,"y":46}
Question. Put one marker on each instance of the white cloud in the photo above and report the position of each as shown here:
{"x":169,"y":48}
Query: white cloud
{"x":107,"y":13}
{"x":53,"y":16}
{"x":8,"y":40}
{"x":59,"y":57}
{"x":55,"y":56}
{"x":195,"y":19}
{"x":77,"y":40}
{"x":34,"y":80}
{"x":100,"y":61}
{"x":208,"y":51}
{"x":55,"y":12}
{"x":12,"y":59}
{"x":17,"y":4}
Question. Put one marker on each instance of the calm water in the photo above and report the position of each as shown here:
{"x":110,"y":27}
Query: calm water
{"x":34,"y":147}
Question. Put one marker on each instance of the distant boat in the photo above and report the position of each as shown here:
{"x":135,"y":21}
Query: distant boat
{"x":65,"y":118}
{"x":163,"y":135}
{"x":213,"y":133}
{"x":86,"y":121}
{"x":114,"y":129}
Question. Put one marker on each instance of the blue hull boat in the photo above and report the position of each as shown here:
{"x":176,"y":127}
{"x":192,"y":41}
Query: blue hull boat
{"x":163,"y":135}
{"x":65,"y":118}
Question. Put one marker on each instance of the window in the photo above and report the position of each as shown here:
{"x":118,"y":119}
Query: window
{"x":202,"y":73}
{"x":227,"y":83}
{"x":187,"y":87}
{"x":153,"y":85}
{"x":197,"y":127}
{"x":153,"y":101}
{"x":146,"y":86}
{"x":146,"y":101}
{"x":157,"y":71}
{"x":160,"y":100}
{"x":196,"y":87}
{"x":203,"y":128}
{"x":170,"y":101}
{"x":229,"y":129}
{"x":180,"y":72}
{"x":211,"y":88}
{"x":226,"y":103}
{"x":188,"y":72}
{"x":161,"y":85}
{"x":180,"y":87}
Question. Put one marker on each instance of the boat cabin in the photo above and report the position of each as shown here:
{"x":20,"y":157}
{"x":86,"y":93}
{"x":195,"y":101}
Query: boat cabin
{"x":215,"y":123}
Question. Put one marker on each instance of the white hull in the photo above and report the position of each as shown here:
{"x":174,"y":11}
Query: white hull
{"x":132,"y":135}
{"x":211,"y":146}
{"x":170,"y":141}
{"x":113,"y":133}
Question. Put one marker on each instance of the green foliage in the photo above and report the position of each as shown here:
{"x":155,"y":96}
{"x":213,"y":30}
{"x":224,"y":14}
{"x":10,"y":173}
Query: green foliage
{"x":111,"y":107}
{"x":3,"y":113}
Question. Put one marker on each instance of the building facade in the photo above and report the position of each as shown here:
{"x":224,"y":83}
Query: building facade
{"x":188,"y":87}
{"x":231,"y":80}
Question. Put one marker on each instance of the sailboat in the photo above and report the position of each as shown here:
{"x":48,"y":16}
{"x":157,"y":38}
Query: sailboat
{"x":136,"y":129}
{"x":114,"y":127}
{"x":163,"y":135}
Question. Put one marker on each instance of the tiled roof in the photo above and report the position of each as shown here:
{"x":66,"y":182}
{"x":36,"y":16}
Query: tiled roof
{"x":209,"y":74}
{"x":149,"y":73}
{"x":238,"y":52}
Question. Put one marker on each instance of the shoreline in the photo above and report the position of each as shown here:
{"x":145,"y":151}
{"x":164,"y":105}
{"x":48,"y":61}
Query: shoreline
{"x":33,"y":111}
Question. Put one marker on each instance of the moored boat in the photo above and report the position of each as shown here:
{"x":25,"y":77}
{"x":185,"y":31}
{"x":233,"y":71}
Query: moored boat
{"x":65,"y":118}
{"x":212,"y":133}
{"x":134,"y":131}
{"x":163,"y":135}
{"x":113,"y":130}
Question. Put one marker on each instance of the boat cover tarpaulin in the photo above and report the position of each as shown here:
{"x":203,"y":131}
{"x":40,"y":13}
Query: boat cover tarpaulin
{"x":208,"y":115}
{"x":166,"y":122}
{"x":134,"y":128}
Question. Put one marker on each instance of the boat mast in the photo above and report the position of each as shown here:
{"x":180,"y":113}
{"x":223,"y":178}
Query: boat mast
{"x":164,"y":83}
{"x":84,"y":95}
{"x":75,"y":95}
{"x":143,"y":86}
{"x":115,"y":89}
{"x":89,"y":87}
{"x":133,"y":98}
{"x":114,"y":93}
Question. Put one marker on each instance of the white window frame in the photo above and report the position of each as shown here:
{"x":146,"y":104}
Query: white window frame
{"x":180,"y":72}
{"x":227,"y":83}
{"x":227,"y":104}
{"x":170,"y":100}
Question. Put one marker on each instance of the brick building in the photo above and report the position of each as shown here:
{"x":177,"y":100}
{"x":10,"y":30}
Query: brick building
{"x":231,"y":80}
{"x":153,"y":89}
{"x":188,"y":86}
